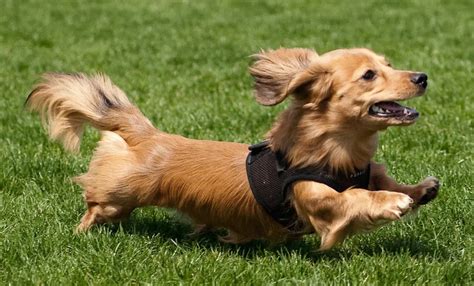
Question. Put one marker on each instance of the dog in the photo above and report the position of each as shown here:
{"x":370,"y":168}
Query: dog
{"x":340,"y":101}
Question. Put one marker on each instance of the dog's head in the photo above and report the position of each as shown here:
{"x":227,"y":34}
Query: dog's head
{"x":347,"y":85}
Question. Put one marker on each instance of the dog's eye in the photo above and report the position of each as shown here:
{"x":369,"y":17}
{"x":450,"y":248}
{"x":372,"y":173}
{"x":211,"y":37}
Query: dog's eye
{"x":369,"y":75}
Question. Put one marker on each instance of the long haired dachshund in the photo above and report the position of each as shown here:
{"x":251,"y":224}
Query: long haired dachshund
{"x":340,"y":100}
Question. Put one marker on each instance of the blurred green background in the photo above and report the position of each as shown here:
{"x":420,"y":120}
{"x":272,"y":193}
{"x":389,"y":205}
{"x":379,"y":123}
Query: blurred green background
{"x":184,"y":63}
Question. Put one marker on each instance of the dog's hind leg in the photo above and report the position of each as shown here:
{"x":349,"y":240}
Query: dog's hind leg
{"x":108,"y":194}
{"x":234,"y":238}
{"x":97,"y":214}
{"x":88,"y":219}
{"x":200,"y":229}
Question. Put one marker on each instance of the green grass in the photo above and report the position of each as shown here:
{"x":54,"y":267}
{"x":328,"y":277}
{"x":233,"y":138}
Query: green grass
{"x":184,"y":64}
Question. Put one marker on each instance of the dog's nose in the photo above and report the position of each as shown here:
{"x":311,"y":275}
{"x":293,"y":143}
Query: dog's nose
{"x":420,"y":79}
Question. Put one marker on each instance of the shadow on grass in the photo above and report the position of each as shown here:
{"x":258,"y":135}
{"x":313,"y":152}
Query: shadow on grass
{"x":175,"y":230}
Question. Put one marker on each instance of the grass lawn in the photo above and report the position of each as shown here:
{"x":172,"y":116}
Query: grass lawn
{"x":184,"y":63}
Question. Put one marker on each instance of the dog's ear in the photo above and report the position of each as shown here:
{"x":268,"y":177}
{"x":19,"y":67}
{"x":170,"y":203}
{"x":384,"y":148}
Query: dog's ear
{"x":279,"y":73}
{"x":315,"y":82}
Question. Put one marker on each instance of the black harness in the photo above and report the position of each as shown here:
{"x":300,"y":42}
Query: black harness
{"x":271,"y":179}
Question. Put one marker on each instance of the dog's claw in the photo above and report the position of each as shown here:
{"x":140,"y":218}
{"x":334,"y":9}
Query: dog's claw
{"x":431,"y":191}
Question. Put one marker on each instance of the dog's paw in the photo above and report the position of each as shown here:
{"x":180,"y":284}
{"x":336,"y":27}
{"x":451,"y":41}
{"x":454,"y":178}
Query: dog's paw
{"x":233,"y":237}
{"x":199,"y":229}
{"x":396,"y":205}
{"x":429,"y":190}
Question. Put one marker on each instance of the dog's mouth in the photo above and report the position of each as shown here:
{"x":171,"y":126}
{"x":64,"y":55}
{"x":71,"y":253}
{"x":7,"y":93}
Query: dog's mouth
{"x":392,"y":109}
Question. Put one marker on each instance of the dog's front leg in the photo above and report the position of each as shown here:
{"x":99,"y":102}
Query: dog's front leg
{"x":336,"y":215}
{"x":421,"y":193}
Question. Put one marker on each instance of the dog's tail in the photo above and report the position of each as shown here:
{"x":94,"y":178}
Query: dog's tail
{"x":67,"y":101}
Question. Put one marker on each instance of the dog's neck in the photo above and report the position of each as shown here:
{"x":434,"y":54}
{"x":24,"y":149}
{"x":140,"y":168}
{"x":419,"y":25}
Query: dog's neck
{"x":309,"y":138}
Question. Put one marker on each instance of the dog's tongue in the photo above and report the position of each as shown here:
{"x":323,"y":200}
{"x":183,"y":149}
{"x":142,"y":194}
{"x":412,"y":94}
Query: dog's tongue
{"x":390,"y":105}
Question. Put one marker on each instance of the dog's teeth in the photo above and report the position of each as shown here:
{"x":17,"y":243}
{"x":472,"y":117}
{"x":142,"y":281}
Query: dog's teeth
{"x":376,"y":109}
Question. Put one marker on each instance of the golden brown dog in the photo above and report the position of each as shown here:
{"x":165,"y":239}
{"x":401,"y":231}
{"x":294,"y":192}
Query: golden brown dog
{"x":341,"y":99}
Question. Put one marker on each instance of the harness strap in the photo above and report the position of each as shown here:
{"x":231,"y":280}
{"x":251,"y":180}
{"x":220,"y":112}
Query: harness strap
{"x":271,"y":180}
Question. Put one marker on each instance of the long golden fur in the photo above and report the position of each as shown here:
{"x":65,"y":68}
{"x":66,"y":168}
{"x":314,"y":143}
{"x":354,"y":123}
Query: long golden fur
{"x":328,"y":123}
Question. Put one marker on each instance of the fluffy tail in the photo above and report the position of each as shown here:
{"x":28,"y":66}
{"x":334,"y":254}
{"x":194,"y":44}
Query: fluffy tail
{"x":67,"y":101}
